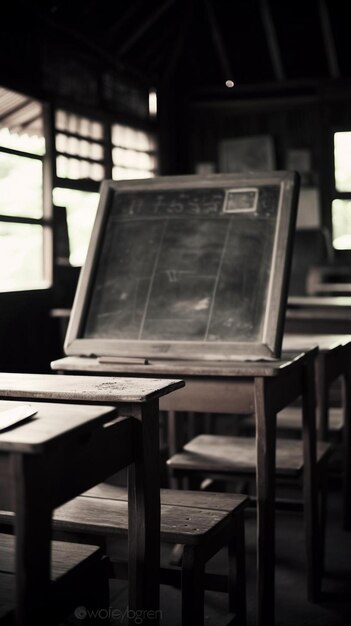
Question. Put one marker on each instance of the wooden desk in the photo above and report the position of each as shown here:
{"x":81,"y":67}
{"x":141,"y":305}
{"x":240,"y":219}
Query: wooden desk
{"x":262,"y":388}
{"x":329,"y":280}
{"x":334,"y":361}
{"x":318,"y":314}
{"x":65,"y":450}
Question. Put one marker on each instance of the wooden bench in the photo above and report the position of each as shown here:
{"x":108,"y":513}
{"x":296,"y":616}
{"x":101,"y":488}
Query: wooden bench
{"x":203,"y":523}
{"x":80,"y":574}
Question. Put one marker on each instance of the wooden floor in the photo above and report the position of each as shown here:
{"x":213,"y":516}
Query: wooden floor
{"x":292,"y":607}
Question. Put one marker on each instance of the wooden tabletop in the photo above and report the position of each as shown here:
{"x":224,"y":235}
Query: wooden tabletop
{"x":175,"y":367}
{"x":314,"y":308}
{"x":94,"y":389}
{"x":319,"y":301}
{"x":51,"y":421}
{"x":298,"y":343}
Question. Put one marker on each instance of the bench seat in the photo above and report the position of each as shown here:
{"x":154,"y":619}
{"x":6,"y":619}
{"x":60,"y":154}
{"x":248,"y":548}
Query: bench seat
{"x":69,"y":562}
{"x":203,"y":523}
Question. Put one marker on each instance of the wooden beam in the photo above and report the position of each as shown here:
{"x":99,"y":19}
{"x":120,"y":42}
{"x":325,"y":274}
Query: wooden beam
{"x":272,"y":41}
{"x":218,"y":42}
{"x":144,"y":27}
{"x":121,"y":21}
{"x":328,"y":38}
{"x":183,"y":33}
{"x":23,"y":104}
{"x":90,"y":45}
{"x":154,"y":54}
{"x":30,"y":121}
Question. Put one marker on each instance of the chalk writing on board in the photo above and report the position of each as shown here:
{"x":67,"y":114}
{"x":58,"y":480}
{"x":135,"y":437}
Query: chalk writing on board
{"x":184,"y":265}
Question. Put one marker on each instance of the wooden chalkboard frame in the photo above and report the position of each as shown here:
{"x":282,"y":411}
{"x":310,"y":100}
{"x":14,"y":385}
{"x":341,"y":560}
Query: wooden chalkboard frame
{"x":269,"y":344}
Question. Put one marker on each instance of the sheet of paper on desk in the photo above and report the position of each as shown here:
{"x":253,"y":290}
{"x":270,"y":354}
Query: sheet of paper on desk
{"x":15,"y":415}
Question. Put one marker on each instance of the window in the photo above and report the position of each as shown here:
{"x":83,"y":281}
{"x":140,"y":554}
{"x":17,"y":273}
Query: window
{"x":81,"y":165}
{"x":22,"y":225}
{"x":81,"y":208}
{"x":85,"y":152}
{"x":80,"y":150}
{"x":82,"y":162}
{"x":341,"y":205}
{"x":134,"y":153}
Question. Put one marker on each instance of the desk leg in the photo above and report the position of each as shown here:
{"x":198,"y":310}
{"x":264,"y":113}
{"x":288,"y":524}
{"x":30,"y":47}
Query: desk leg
{"x":33,"y":535}
{"x":346,"y":382}
{"x":175,"y":439}
{"x":322,"y":392}
{"x":144,"y":517}
{"x":312,"y":526}
{"x":172,"y":433}
{"x":265,"y":481}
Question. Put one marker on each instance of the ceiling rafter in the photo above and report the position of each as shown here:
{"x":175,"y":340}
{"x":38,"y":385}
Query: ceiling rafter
{"x":218,"y":42}
{"x":272,"y":41}
{"x":144,"y":27}
{"x":16,"y":109}
{"x":152,"y":57}
{"x":154,"y":39}
{"x":328,"y":38}
{"x":94,"y":47}
{"x":182,"y":36}
{"x":122,"y":21}
{"x":30,"y":121}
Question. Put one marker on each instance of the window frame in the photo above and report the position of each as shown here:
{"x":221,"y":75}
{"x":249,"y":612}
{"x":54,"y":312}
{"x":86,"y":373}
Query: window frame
{"x":107,"y":121}
{"x":43,"y":221}
{"x":51,"y":180}
{"x":334,"y":193}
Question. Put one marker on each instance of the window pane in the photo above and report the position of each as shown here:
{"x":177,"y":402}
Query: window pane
{"x":21,"y":256}
{"x":153,"y":103}
{"x":82,"y":146}
{"x":125,"y":173}
{"x":342,"y":158}
{"x":81,"y":209}
{"x":20,"y":186}
{"x":27,"y":143}
{"x":341,"y":214}
{"x":71,"y":123}
{"x":133,"y":153}
{"x":128,"y":137}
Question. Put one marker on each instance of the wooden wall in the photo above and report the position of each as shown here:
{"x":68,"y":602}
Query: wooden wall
{"x":304,"y":120}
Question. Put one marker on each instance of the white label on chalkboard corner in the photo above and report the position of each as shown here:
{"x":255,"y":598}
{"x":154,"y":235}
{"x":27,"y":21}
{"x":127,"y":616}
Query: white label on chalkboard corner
{"x":240,"y":200}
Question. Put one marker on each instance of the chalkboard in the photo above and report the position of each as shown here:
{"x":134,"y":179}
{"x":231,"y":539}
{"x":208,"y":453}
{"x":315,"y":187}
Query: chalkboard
{"x":187,"y":267}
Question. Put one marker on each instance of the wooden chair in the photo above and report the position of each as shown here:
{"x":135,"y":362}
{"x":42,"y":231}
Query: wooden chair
{"x":226,"y":458}
{"x":202,"y":523}
{"x":333,"y":365}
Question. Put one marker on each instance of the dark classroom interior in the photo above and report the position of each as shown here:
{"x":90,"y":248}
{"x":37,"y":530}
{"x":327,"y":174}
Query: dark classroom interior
{"x":137,"y":90}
